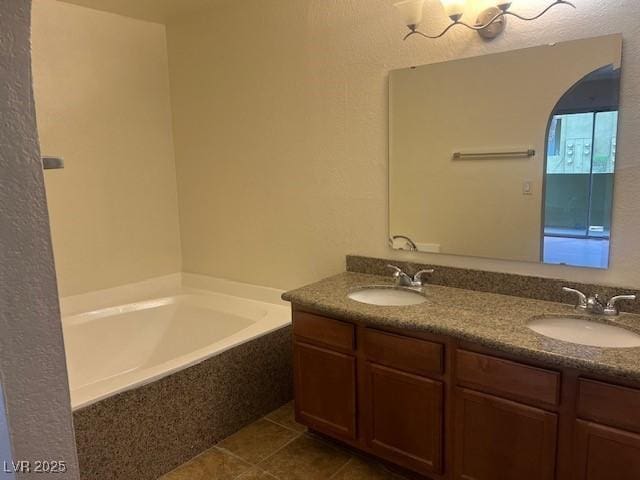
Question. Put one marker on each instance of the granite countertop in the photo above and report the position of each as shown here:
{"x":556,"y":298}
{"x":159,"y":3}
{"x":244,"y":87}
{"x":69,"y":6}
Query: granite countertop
{"x":491,"y":320}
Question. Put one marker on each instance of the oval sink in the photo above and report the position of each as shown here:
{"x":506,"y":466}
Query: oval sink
{"x":387,"y":296}
{"x":584,"y":331}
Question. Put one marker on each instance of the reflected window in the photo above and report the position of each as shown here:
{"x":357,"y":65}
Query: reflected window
{"x":579,"y":172}
{"x":579,"y":188}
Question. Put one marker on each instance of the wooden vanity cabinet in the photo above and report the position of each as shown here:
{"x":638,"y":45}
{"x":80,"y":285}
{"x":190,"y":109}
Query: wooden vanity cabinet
{"x":501,"y":439}
{"x":605,"y":453}
{"x":379,"y":392}
{"x":325,"y":375}
{"x":500,"y":430}
{"x":451,"y":411}
{"x":403,"y":400}
{"x":325,"y":385}
{"x":607,"y":433}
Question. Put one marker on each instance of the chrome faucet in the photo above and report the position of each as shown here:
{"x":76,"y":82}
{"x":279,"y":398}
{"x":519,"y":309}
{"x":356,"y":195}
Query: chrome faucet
{"x":595,"y":304}
{"x":404,"y":280}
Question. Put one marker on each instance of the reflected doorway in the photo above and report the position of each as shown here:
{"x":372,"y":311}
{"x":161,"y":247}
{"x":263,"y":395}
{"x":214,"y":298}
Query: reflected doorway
{"x":579,"y":176}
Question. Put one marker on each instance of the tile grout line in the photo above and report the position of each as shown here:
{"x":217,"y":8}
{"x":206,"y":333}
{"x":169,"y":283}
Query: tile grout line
{"x":217,"y":447}
{"x":269,"y":474}
{"x":192,"y":459}
{"x":261,"y":470}
{"x":257,"y":465}
{"x":298,"y":435}
{"x":251,"y":464}
{"x":333,"y":475}
{"x":225,"y":450}
{"x":231,"y":454}
{"x":284,"y":426}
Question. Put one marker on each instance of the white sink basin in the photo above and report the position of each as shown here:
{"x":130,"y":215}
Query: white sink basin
{"x":387,"y":296}
{"x":584,"y":331}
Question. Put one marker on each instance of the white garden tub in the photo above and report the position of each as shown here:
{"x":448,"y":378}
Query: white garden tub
{"x":117,"y":347}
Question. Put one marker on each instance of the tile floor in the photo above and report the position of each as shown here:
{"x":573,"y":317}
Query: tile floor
{"x":276,"y":447}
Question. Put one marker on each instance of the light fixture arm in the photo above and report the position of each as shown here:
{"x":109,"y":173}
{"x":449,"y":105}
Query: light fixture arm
{"x":478,"y":27}
{"x":415,"y":31}
{"x":529,"y":19}
{"x":453,"y":24}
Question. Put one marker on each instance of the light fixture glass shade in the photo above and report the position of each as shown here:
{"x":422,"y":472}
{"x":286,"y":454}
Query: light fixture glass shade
{"x":454,"y":8}
{"x":411,"y":11}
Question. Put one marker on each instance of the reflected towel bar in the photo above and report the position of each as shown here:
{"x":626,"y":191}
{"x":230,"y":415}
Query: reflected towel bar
{"x":52,"y":163}
{"x":521,"y":153}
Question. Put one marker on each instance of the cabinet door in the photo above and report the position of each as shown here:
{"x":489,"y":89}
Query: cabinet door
{"x":325,"y":383}
{"x":604,"y":453}
{"x":405,"y":418}
{"x":497,"y":439}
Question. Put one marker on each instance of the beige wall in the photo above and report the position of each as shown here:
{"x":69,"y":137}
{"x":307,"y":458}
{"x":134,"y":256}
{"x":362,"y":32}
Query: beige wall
{"x":262,"y":195}
{"x":102,"y":99}
{"x":280,"y":114}
{"x":477,"y":207}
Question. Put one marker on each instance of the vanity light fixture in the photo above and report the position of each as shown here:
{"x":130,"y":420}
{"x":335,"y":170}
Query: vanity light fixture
{"x":489,"y":24}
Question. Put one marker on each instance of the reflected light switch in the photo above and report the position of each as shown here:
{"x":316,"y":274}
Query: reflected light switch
{"x":527,"y":187}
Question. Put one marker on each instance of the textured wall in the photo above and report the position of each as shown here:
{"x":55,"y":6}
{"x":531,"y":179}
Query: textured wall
{"x":280,"y":122}
{"x":31,"y":350}
{"x":102,"y":100}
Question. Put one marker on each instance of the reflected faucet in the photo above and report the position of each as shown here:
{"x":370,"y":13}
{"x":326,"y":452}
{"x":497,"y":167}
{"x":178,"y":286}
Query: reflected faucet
{"x":412,"y":246}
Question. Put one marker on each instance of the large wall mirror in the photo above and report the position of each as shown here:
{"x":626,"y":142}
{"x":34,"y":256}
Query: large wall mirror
{"x":508,"y":156}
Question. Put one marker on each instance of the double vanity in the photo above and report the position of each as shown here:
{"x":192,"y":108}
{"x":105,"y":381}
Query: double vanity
{"x":485,"y":375}
{"x":452,"y":383}
{"x":589,"y":331}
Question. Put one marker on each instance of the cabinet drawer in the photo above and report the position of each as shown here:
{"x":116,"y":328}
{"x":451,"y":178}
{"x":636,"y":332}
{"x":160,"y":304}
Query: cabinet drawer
{"x":324,"y":331}
{"x":609,"y":404}
{"x":508,"y":378}
{"x":404,"y":353}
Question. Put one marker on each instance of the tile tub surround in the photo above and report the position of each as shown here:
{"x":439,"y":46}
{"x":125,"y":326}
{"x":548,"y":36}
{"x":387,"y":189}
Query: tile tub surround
{"x":144,"y":433}
{"x":278,"y":448}
{"x":495,"y":321}
{"x":539,"y":288}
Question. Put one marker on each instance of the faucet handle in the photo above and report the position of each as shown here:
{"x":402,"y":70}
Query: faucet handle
{"x":582,"y":298}
{"x":401,"y":278}
{"x":397,"y":273}
{"x":612,"y":304}
{"x":397,"y":270}
{"x":417,"y":278}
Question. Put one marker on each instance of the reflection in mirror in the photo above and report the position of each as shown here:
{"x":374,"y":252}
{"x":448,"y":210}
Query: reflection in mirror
{"x":508,"y":156}
{"x":580,"y":165}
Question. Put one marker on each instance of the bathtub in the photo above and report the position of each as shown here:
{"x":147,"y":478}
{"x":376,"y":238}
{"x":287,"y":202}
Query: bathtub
{"x":114,"y":349}
{"x":182,"y":355}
